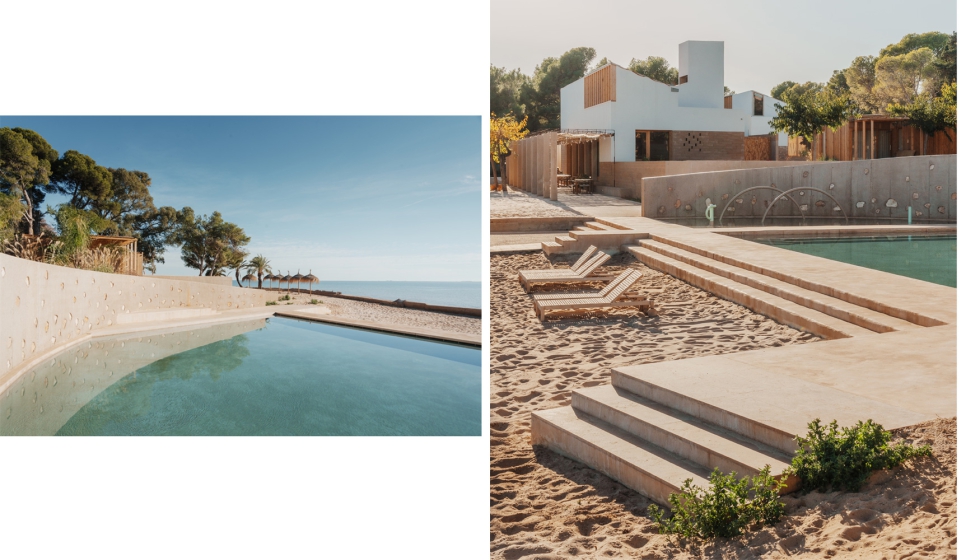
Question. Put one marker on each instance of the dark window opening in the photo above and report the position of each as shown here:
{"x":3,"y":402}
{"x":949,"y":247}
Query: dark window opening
{"x":683,"y":80}
{"x":758,"y":105}
{"x":652,"y":145}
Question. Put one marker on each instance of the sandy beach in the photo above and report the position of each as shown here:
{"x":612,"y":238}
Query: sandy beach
{"x":376,"y":313}
{"x":546,"y":506}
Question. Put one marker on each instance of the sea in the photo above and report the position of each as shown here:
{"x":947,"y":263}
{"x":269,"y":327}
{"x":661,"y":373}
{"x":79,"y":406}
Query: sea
{"x":454,"y":294}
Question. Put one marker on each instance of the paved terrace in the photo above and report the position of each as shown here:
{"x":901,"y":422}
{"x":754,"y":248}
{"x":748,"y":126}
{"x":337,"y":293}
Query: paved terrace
{"x":890,"y":355}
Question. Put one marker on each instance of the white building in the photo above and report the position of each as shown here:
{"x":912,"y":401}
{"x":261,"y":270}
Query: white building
{"x":640,"y":119}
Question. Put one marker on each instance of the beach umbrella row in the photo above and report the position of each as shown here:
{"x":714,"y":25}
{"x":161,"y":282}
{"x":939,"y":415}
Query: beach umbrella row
{"x":289,"y":280}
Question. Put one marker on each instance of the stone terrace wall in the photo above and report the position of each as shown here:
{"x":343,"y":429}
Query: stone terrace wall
{"x":874,"y":189}
{"x":44,"y":307}
{"x":218,"y":280}
{"x":629,"y":175}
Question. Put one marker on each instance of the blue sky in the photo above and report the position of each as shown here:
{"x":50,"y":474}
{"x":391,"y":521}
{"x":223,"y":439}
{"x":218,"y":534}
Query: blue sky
{"x":766,"y":41}
{"x":352,"y":198}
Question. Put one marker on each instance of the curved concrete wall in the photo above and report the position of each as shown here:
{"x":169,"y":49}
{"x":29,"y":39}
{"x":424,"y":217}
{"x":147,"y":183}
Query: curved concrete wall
{"x":45,"y":307}
{"x":868,"y":189}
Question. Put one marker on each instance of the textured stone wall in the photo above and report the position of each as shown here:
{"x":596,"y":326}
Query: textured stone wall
{"x":628,"y":175}
{"x":870,"y":189}
{"x":44,"y":307}
{"x":699,"y":145}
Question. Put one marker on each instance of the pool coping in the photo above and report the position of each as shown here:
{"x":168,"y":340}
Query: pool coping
{"x":750,"y":233}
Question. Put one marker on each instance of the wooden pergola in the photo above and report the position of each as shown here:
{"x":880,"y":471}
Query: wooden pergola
{"x":878,"y":136}
{"x":133,"y":261}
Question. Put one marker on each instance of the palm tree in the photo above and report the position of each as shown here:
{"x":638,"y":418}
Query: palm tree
{"x":260,"y":266}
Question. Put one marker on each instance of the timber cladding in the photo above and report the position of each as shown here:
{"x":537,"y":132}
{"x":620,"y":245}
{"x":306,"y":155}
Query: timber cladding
{"x":757,"y":148}
{"x":600,"y":86}
{"x":699,"y":145}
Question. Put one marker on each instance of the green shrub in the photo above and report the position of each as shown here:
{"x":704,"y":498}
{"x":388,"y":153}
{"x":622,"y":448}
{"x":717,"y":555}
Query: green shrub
{"x":315,"y":301}
{"x":272,"y":303}
{"x":725,"y":509}
{"x":833,"y":459}
{"x":284,"y":298}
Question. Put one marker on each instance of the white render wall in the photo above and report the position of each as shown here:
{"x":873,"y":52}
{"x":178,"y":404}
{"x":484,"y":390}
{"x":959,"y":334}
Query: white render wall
{"x":641,"y":104}
{"x":703,"y":62}
{"x":745,"y":103}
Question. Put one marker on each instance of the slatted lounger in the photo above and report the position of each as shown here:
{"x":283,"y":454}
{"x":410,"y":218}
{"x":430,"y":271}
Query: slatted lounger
{"x":613,"y":295}
{"x":584,"y":274}
{"x":588,"y":254}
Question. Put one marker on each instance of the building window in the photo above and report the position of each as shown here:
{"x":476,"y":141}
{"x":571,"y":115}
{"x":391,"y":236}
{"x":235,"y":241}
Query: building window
{"x":758,"y":104}
{"x":682,"y":80}
{"x":652,"y":145}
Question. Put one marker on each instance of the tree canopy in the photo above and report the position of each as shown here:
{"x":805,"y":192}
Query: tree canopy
{"x":25,"y":169}
{"x":212,"y":245}
{"x":656,"y":68}
{"x":806,"y":114}
{"x":541,"y":95}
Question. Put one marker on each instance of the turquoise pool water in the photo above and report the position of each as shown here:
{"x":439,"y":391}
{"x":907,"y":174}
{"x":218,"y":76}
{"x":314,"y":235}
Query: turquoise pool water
{"x":929,"y":258}
{"x":269,"y":377}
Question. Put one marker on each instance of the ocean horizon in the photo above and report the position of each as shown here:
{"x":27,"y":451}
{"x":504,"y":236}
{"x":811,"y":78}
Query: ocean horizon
{"x":454,"y":294}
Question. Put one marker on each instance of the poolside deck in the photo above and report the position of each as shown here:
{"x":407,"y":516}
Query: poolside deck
{"x":890,"y":355}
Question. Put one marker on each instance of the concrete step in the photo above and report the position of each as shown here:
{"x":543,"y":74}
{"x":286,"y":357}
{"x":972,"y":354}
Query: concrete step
{"x":551,"y":247}
{"x":165,"y":315}
{"x":855,"y":314}
{"x":638,"y":464}
{"x":775,"y":307}
{"x":562,"y":239}
{"x":681,"y":434}
{"x":766,"y":406}
{"x":597,"y":226}
{"x":610,"y":224}
{"x":897,"y":312}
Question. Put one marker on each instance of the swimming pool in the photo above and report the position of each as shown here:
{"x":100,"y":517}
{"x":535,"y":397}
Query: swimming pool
{"x":930,"y":258}
{"x":273,"y":376}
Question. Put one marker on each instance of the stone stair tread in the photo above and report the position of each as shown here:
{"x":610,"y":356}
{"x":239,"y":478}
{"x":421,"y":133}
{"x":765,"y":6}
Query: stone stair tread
{"x":596,"y":226}
{"x":550,"y":244}
{"x":780,"y":309}
{"x":645,"y":467}
{"x":563,"y":239}
{"x":710,"y":441}
{"x":840,"y":309}
{"x":739,"y":393}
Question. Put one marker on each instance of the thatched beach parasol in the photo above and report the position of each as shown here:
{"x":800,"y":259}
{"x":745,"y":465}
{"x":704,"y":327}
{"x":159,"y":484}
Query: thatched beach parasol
{"x":311,"y":279}
{"x":290,"y":280}
{"x":250,"y":278}
{"x":272,"y":277}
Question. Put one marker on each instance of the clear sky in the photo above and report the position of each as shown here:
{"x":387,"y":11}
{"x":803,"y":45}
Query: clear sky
{"x":352,"y":198}
{"x":766,"y":41}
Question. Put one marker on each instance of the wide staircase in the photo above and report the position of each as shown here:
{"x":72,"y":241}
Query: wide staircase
{"x":601,"y":233}
{"x":657,"y":425}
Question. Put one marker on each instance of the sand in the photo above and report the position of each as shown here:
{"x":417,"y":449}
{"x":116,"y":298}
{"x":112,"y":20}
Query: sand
{"x":543,"y":505}
{"x":373,"y":312}
{"x":519,"y":204}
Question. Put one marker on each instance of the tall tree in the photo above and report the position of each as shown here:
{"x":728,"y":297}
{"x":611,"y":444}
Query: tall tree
{"x":932,"y":40}
{"x":945,"y":65}
{"x":656,"y":68}
{"x":25,"y":169}
{"x":900,"y":78}
{"x":806,"y":114}
{"x":259,"y":266}
{"x":210,"y":244}
{"x":837,"y":84}
{"x":777,"y":92}
{"x":505,"y":90}
{"x":541,"y":95}
{"x":860,"y":78}
{"x":78,"y":177}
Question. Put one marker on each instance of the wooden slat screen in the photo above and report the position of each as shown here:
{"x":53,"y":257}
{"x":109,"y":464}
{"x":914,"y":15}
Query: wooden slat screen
{"x":600,"y":86}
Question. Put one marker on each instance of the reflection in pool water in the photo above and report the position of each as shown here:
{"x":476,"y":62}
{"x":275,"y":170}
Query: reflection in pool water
{"x":262,"y":377}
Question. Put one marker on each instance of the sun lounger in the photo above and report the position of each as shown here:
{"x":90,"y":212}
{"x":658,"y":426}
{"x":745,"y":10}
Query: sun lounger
{"x":615,"y":294}
{"x":579,"y":264}
{"x":585,"y":274}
